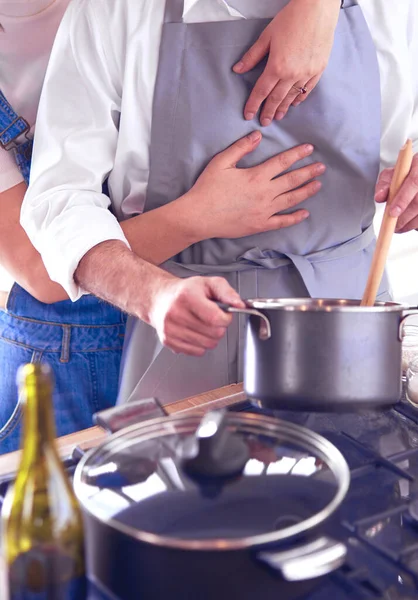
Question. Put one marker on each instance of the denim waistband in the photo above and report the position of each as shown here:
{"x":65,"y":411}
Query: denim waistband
{"x":64,"y":339}
{"x":88,"y":311}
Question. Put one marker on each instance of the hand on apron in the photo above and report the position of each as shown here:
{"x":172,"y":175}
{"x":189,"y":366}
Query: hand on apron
{"x":298,"y":43}
{"x":186,"y":318}
{"x":231,"y":202}
{"x":405,"y":203}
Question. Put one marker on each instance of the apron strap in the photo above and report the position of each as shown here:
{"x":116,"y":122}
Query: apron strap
{"x":174,"y":10}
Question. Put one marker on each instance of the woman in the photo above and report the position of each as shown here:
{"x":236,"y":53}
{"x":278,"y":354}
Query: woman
{"x":83,"y":341}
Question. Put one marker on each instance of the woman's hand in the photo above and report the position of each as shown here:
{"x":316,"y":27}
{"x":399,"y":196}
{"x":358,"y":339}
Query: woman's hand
{"x":231,"y":202}
{"x":299,"y":42}
{"x":228,"y":202}
{"x":405,"y":204}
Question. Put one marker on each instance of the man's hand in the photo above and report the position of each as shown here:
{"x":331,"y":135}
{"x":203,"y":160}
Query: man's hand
{"x":185,"y":316}
{"x":299,"y":42}
{"x":229,"y":202}
{"x":181,"y":310}
{"x":405,"y":204}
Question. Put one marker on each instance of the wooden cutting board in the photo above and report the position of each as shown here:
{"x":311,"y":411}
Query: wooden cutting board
{"x":92,"y":437}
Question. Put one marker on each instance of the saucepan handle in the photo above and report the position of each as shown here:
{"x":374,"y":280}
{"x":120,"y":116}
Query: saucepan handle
{"x":409,"y":312}
{"x":131,"y":413}
{"x":265,"y":328}
{"x":315,"y":559}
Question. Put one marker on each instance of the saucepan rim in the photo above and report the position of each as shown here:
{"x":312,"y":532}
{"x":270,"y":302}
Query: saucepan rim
{"x":323,"y":305}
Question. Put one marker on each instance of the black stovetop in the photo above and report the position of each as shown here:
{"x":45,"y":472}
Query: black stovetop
{"x":379,"y":517}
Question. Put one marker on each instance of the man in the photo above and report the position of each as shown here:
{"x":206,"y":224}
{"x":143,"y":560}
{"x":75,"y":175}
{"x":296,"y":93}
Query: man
{"x":194,"y":116}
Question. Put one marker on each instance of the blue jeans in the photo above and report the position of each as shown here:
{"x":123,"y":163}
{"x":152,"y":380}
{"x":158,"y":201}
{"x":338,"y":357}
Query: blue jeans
{"x":82,"y":342}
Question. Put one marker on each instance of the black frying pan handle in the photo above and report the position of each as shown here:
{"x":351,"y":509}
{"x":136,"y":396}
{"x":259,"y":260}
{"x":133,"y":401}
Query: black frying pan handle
{"x":131,"y":413}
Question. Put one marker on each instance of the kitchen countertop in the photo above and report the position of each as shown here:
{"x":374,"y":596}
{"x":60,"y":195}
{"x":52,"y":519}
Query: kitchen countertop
{"x":92,"y":437}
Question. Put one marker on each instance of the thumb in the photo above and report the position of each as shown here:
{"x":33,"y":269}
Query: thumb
{"x":220,"y":290}
{"x":232,"y":155}
{"x":254,"y":55}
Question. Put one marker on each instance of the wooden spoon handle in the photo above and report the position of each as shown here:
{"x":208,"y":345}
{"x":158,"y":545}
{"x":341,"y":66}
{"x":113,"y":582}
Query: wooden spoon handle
{"x":402,"y":168}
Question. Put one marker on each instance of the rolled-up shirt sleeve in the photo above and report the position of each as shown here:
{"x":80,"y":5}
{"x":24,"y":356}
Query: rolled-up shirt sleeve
{"x":65,"y":212}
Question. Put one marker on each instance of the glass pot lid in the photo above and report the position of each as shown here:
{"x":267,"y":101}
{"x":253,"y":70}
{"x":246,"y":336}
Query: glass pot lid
{"x":224,"y":481}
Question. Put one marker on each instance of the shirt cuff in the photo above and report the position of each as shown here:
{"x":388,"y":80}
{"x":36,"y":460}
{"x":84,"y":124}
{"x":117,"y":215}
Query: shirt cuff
{"x":65,"y":243}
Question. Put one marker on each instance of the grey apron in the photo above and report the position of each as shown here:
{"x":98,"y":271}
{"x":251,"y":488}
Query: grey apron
{"x":198,"y":108}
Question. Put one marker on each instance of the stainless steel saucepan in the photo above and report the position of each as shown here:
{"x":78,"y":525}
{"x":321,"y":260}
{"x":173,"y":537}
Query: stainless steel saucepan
{"x":319,"y":354}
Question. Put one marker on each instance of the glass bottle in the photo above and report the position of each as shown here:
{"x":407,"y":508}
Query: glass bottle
{"x":42,"y":532}
{"x":412,"y":382}
{"x":409,"y":347}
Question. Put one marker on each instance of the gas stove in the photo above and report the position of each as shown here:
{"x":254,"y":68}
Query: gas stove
{"x":378,"y":520}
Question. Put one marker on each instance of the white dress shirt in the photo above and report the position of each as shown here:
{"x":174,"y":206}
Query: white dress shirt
{"x":394,"y":25}
{"x":86,"y":128}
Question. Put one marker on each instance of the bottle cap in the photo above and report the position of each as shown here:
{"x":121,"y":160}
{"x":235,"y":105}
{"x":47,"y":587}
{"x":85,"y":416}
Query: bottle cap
{"x":40,"y":371}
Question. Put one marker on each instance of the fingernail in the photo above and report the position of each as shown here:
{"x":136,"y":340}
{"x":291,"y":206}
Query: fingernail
{"x":265,"y":122}
{"x":238,"y":67}
{"x":309,"y":148}
{"x":249,"y":116}
{"x":279,"y":116}
{"x":254,"y":136}
{"x":396,"y":211}
{"x":296,"y":103}
{"x":321,"y":168}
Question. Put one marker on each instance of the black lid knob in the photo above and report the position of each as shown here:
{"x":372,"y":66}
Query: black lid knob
{"x":214,"y":452}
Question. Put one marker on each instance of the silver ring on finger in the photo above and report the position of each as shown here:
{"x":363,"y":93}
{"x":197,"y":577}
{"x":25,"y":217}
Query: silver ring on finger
{"x":301,"y":90}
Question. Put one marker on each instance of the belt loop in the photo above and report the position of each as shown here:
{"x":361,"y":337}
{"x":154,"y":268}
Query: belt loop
{"x":174,"y":10}
{"x":65,"y":346}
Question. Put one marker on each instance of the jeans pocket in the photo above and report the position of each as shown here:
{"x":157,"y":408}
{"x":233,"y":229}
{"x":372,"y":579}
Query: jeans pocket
{"x":11,"y":411}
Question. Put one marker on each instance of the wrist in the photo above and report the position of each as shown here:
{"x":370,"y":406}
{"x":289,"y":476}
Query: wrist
{"x":147,"y":283}
{"x":188,"y":216}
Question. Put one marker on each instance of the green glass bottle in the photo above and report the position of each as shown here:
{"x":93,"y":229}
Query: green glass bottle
{"x":42,"y":530}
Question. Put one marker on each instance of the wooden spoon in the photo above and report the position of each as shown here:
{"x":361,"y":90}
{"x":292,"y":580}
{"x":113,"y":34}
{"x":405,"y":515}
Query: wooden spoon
{"x":402,"y":168}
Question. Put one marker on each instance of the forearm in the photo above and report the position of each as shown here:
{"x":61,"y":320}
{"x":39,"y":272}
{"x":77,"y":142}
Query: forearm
{"x":162,"y":233}
{"x":115,"y":274}
{"x":17,"y":254}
